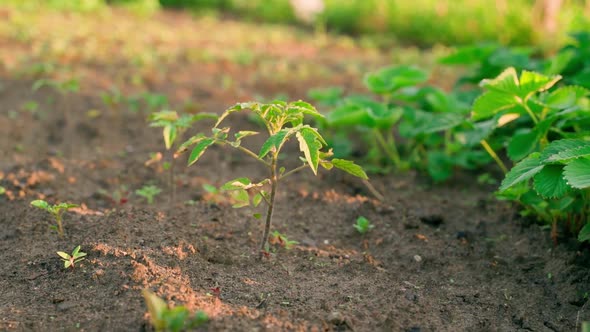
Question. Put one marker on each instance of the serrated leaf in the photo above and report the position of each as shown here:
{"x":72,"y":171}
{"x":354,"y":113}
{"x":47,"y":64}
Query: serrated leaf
{"x":531,"y":82}
{"x":492,"y":102}
{"x":274,"y":141}
{"x":573,"y":153}
{"x":584,"y":234}
{"x":522,"y":171}
{"x":310,"y":146}
{"x":506,"y":82}
{"x":577,"y":173}
{"x":350,"y":167}
{"x":549,"y":182}
{"x":562,"y":145}
{"x":522,"y":144}
{"x":199,"y":149}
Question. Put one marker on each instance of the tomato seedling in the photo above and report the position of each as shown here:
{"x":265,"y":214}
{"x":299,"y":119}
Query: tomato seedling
{"x":363,"y":225}
{"x":149,"y":193}
{"x":174,"y":126}
{"x":282,"y":121}
{"x":173,"y":319}
{"x":56,"y":210}
{"x":70,"y":260}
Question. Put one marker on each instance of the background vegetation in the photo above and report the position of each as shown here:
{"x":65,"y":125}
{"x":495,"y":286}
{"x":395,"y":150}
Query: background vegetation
{"x":418,"y":22}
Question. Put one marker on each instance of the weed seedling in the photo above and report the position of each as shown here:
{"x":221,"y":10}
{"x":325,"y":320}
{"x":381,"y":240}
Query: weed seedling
{"x":70,"y":260}
{"x":148,"y":192}
{"x":282,"y":240}
{"x":282,"y":121}
{"x":57,"y":210}
{"x":363,"y":225}
{"x":171,"y":319}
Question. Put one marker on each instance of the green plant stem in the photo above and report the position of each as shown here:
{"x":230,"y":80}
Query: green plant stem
{"x":273,"y":189}
{"x":390,"y":149}
{"x":172,"y":183}
{"x":493,"y":154}
{"x":295,"y":170}
{"x":60,"y":228}
{"x":529,"y":111}
{"x":250,"y":153}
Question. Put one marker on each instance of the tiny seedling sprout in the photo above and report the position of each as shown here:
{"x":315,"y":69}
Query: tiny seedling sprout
{"x":57,"y":210}
{"x":148,"y":192}
{"x":70,"y":260}
{"x":363,"y":225}
{"x":173,"y":319}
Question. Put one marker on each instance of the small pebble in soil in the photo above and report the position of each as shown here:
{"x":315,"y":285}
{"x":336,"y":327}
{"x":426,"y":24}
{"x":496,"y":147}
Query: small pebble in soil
{"x":417,"y":258}
{"x":411,"y":296}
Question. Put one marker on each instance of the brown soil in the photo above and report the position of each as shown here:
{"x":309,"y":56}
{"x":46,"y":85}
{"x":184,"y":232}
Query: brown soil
{"x":444,"y":258}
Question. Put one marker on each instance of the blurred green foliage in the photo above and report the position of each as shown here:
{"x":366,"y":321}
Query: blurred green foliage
{"x":418,"y":22}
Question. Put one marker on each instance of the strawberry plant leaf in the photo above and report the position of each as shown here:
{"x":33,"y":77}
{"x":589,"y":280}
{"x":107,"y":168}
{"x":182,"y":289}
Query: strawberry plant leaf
{"x":522,"y":144}
{"x":552,"y":151}
{"x":390,"y":79}
{"x":549,"y":182}
{"x":577,"y":173}
{"x":350,"y":167}
{"x":581,"y":151}
{"x":531,"y":82}
{"x":199,"y":149}
{"x":565,"y":97}
{"x":505,"y":83}
{"x":524,"y":170}
{"x":492,"y":102}
{"x":584,"y":234}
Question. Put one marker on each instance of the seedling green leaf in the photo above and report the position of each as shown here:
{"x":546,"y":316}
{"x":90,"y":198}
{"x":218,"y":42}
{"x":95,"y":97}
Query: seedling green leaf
{"x":56,"y":210}
{"x":199,"y":149}
{"x":350,"y":167}
{"x":71,"y":260}
{"x":363,"y":225}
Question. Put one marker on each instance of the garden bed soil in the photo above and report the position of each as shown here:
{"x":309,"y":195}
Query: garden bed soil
{"x":440,"y":258}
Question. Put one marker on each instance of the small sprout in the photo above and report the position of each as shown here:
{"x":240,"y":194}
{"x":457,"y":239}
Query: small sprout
{"x":173,"y":319}
{"x":70,"y":260}
{"x":57,"y":210}
{"x":363,"y":225}
{"x":149,"y":192}
{"x":282,"y":240}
